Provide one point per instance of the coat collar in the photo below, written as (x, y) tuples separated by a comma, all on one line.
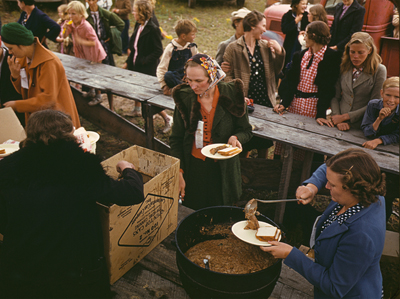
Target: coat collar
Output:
[(189, 108), (361, 79), (353, 7), (41, 54), (336, 229)]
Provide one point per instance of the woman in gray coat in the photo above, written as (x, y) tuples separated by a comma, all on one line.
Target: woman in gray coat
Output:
[(361, 79)]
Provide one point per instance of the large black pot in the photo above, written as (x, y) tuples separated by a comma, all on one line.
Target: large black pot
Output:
[(202, 283)]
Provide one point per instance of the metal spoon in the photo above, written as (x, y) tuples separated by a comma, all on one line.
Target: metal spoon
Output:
[(252, 204)]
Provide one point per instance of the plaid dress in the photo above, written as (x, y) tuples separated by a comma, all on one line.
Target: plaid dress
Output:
[(305, 106)]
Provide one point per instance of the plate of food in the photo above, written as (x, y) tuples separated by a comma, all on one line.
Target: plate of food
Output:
[(259, 237), (7, 149), (220, 151)]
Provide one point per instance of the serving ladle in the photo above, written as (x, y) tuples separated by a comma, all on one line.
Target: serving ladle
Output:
[(251, 206)]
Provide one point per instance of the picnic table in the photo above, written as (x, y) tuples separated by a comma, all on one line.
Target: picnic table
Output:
[(157, 276), (294, 131)]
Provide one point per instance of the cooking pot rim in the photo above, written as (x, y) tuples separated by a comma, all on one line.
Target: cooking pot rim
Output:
[(205, 270)]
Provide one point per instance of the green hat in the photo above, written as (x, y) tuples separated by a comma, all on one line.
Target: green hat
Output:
[(16, 34)]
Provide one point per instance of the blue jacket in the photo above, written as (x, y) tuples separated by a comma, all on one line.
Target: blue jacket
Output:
[(388, 129), (346, 256), (41, 25)]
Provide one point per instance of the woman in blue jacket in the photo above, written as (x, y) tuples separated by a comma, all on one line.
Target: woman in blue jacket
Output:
[(350, 234)]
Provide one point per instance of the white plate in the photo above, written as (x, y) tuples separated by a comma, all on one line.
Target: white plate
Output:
[(10, 148), (249, 235), (206, 152), (93, 136)]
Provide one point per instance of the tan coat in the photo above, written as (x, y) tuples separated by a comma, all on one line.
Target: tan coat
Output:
[(353, 98), (48, 86), (236, 56)]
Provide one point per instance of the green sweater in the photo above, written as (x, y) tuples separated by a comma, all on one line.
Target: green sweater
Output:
[(230, 118)]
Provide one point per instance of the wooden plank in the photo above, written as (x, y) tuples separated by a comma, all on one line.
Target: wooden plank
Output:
[(292, 279), (114, 123), (163, 101), (88, 78), (308, 124), (276, 293), (391, 247), (111, 72), (318, 143), (143, 284)]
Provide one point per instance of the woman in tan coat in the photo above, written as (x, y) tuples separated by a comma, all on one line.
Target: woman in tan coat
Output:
[(257, 63)]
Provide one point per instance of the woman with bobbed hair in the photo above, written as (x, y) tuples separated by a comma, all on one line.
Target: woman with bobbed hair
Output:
[(48, 194), (349, 236), (361, 80), (310, 84), (317, 13), (257, 62)]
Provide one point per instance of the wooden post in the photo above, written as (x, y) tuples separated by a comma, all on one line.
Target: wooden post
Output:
[(307, 163), (149, 126), (284, 182), (110, 99)]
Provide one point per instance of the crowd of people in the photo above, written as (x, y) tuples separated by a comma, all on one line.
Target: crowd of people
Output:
[(317, 67)]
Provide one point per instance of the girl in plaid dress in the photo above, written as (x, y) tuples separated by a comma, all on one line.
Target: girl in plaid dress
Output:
[(310, 84)]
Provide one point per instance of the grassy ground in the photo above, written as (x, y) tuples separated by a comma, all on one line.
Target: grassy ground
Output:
[(213, 23)]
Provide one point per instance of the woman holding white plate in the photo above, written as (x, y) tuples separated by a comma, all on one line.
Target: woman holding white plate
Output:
[(208, 111), (349, 236)]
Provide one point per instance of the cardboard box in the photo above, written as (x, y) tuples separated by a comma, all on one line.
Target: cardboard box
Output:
[(10, 126), (132, 232)]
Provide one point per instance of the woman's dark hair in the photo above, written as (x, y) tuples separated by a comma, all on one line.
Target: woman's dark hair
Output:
[(47, 126), (28, 2), (294, 4), (360, 174), (319, 32), (252, 19)]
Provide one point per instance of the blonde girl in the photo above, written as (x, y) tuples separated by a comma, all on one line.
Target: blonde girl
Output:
[(65, 44), (86, 42)]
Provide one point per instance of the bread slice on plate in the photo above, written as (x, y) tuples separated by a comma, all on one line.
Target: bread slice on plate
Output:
[(268, 233), (230, 151)]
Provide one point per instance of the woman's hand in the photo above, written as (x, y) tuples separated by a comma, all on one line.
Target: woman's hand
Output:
[(59, 39), (234, 142), (226, 67), (322, 121), (14, 66), (278, 250), (279, 108), (298, 18), (343, 126), (121, 165), (274, 46), (372, 144), (166, 90), (337, 119), (305, 194), (10, 104), (334, 48), (182, 185)]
